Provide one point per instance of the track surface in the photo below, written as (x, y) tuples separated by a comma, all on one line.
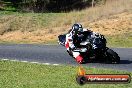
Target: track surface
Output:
[(56, 54)]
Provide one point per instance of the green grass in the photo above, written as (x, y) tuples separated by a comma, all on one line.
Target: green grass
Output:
[(44, 19), (124, 40), (34, 21), (26, 75), (28, 22), (54, 23)]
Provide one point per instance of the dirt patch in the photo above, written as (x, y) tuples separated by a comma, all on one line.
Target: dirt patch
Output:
[(39, 36), (114, 25)]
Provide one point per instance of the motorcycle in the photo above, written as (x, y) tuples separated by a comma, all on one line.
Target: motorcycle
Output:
[(93, 48)]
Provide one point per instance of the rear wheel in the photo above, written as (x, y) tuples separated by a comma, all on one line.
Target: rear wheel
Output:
[(112, 57)]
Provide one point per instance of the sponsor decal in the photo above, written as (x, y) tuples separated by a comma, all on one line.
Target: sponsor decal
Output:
[(83, 78)]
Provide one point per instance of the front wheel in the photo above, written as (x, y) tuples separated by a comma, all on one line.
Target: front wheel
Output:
[(112, 57)]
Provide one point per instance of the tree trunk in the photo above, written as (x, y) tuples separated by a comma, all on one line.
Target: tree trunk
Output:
[(92, 3)]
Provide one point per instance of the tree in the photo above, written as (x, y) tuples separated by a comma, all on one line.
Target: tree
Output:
[(34, 5), (51, 5)]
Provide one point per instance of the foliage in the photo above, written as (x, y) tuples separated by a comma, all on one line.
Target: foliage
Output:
[(50, 5), (27, 75)]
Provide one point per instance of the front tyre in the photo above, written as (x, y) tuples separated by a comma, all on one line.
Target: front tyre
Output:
[(112, 57)]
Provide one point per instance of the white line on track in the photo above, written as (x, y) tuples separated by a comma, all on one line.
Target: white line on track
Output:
[(56, 64), (14, 60), (24, 61), (34, 62), (5, 59), (29, 62), (46, 63)]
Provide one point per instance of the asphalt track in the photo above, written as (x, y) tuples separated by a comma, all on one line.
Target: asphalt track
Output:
[(56, 54)]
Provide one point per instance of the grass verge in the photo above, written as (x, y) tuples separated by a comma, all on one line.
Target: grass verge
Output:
[(112, 19), (26, 75), (124, 40)]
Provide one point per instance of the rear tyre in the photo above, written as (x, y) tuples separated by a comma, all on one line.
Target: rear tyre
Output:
[(112, 57)]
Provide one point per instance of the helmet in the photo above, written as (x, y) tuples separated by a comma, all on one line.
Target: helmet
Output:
[(77, 28)]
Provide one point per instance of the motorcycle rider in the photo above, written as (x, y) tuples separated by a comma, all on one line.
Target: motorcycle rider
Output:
[(73, 38), (94, 44)]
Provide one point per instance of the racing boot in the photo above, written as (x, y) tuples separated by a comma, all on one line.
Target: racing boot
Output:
[(79, 59)]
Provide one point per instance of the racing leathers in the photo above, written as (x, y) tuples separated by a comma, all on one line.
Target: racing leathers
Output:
[(72, 42)]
